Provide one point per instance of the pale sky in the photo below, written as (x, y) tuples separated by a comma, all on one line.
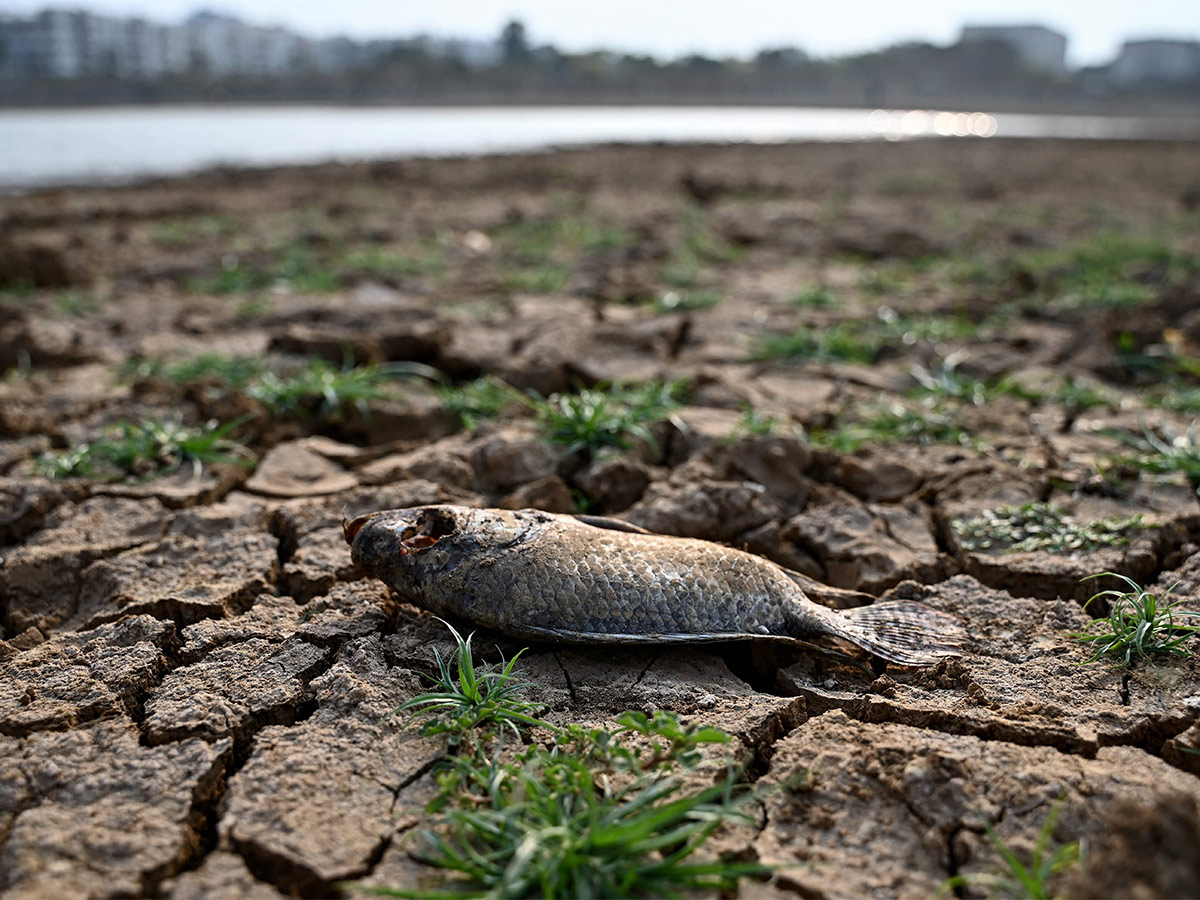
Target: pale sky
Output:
[(666, 28)]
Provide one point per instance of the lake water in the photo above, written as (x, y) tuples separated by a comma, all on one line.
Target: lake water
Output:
[(47, 147)]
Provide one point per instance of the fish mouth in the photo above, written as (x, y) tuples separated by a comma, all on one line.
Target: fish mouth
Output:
[(351, 527), (424, 528)]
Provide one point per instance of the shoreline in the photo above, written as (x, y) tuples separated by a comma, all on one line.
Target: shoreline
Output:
[(850, 127)]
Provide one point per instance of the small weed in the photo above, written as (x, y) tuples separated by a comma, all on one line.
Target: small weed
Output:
[(1154, 364), (467, 696), (1031, 527), (701, 243), (81, 461), (945, 382), (753, 423), (817, 298), (844, 342), (184, 232), (682, 272), (325, 390), (234, 277), (528, 241), (20, 289), (315, 387), (231, 371), (1078, 396), (147, 449), (875, 282), (557, 823), (1139, 624), (295, 270), (380, 264), (540, 255), (1108, 271), (1180, 398), (1165, 452), (478, 401), (1015, 878), (596, 237), (895, 423), (970, 272), (76, 304), (544, 279), (595, 813), (606, 416), (253, 308), (911, 329), (698, 248), (686, 301)]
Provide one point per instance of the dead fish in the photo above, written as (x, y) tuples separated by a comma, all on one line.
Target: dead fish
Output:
[(587, 579)]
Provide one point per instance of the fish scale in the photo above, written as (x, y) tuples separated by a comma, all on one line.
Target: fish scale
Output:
[(537, 575)]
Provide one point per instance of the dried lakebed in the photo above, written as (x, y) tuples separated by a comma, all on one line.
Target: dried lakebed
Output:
[(956, 374)]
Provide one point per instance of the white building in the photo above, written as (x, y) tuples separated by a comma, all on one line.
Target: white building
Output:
[(1156, 60), (1037, 47), (75, 44)]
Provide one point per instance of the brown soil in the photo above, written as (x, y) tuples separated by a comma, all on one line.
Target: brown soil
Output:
[(193, 675)]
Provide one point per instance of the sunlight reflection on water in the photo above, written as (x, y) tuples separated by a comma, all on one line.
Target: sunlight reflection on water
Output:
[(84, 145)]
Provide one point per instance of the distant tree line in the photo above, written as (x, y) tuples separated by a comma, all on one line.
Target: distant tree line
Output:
[(914, 74)]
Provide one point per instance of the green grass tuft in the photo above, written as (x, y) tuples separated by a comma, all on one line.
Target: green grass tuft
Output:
[(1181, 398), (322, 389), (593, 813), (844, 342), (1078, 395), (606, 416), (895, 423), (295, 269), (686, 301), (1032, 880), (184, 232), (1108, 271), (1031, 527), (753, 423), (76, 304), (467, 696), (1139, 624), (945, 381), (1165, 451), (817, 298), (312, 388), (386, 265), (543, 279), (147, 449), (227, 371), (480, 400), (912, 329)]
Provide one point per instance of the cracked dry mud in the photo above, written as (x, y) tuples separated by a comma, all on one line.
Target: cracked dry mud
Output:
[(195, 679)]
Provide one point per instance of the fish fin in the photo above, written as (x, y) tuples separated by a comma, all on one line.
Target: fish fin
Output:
[(837, 598), (611, 524), (903, 632)]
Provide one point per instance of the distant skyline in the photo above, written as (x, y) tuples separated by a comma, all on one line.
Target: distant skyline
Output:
[(670, 28)]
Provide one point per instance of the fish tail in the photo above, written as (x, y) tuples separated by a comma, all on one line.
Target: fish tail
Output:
[(902, 631)]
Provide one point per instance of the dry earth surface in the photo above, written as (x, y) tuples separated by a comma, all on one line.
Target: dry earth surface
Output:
[(872, 343)]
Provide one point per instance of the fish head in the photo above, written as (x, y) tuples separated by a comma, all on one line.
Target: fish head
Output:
[(411, 549)]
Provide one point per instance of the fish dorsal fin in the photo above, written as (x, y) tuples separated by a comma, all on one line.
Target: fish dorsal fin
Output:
[(611, 524), (837, 598)]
